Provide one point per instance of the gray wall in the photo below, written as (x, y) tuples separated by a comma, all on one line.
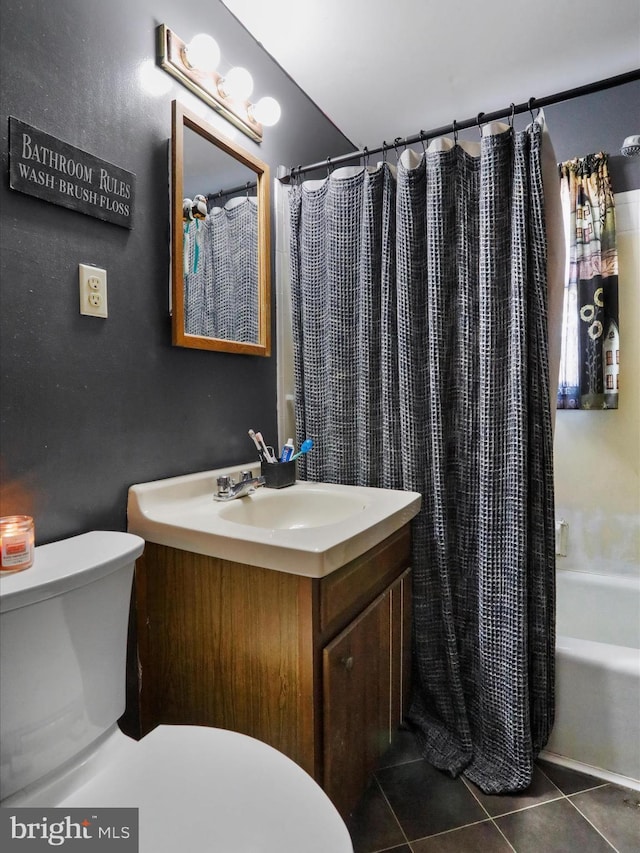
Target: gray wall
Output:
[(90, 406)]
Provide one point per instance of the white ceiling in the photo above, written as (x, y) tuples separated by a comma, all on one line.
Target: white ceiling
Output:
[(380, 69)]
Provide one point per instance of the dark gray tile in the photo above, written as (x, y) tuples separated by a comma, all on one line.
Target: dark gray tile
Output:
[(615, 812), (555, 827), (569, 781), (470, 839), (404, 747), (540, 790), (372, 824), (426, 801)]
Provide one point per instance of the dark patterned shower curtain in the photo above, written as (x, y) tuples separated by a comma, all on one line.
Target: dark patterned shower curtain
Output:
[(221, 273), (419, 315)]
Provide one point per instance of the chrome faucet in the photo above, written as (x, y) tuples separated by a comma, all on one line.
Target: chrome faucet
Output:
[(228, 490)]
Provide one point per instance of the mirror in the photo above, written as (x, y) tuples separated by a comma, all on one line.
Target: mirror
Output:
[(220, 243)]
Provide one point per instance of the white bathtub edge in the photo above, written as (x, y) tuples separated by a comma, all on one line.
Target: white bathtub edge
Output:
[(621, 659), (597, 772)]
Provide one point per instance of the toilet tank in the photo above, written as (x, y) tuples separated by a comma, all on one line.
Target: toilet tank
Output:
[(63, 646)]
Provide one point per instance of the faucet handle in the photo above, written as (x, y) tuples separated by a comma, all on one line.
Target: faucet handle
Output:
[(224, 483), (246, 475)]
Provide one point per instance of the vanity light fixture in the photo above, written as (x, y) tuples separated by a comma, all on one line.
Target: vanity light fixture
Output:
[(195, 65)]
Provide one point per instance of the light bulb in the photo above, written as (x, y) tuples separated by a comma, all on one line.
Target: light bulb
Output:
[(237, 84), (202, 53), (267, 111)]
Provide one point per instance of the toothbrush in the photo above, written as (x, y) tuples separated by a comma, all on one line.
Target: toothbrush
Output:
[(268, 455), (254, 438), (306, 446)]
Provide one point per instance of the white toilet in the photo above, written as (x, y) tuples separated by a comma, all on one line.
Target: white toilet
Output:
[(63, 626)]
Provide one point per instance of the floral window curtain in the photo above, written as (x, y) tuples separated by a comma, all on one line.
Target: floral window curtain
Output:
[(590, 357)]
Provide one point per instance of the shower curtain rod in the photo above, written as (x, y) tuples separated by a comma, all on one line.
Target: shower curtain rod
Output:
[(286, 174), (240, 188)]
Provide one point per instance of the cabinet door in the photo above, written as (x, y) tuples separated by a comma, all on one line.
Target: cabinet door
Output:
[(357, 702)]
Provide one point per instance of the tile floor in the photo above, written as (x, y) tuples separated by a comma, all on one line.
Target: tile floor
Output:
[(410, 807)]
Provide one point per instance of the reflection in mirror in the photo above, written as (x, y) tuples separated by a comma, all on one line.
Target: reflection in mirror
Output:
[(220, 241)]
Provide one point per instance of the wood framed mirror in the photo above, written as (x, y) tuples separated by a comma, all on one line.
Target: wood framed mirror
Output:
[(220, 241)]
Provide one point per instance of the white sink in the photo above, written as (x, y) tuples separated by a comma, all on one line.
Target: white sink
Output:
[(293, 508), (307, 529)]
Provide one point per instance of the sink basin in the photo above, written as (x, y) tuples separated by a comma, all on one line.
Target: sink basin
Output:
[(291, 508), (307, 529)]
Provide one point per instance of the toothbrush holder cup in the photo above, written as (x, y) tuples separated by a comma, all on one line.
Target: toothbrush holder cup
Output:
[(279, 474)]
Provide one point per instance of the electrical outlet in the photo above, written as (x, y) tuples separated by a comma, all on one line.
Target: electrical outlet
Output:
[(93, 291)]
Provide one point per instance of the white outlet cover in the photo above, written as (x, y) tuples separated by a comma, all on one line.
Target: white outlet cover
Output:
[(93, 290)]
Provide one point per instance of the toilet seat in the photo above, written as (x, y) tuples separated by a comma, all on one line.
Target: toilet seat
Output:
[(203, 789)]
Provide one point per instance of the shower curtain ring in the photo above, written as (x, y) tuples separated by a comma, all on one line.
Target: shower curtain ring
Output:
[(530, 105), (455, 132), (365, 157), (329, 166), (384, 152), (423, 139), (478, 120), (397, 142), (512, 116)]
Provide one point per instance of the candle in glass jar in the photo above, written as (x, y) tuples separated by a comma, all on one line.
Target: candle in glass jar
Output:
[(16, 542)]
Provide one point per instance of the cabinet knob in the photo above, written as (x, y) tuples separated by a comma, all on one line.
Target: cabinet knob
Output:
[(347, 663)]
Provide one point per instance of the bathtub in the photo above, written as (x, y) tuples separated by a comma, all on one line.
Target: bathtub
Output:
[(597, 723)]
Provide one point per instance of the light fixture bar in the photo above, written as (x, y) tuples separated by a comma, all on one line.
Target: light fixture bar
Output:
[(204, 84)]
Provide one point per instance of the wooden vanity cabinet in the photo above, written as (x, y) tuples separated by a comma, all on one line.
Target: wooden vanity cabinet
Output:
[(316, 667)]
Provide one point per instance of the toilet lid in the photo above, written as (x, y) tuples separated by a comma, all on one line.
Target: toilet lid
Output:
[(202, 789)]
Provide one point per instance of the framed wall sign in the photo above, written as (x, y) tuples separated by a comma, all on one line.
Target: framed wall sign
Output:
[(45, 167)]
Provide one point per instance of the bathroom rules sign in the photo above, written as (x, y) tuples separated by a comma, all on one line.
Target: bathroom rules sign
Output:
[(48, 168)]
